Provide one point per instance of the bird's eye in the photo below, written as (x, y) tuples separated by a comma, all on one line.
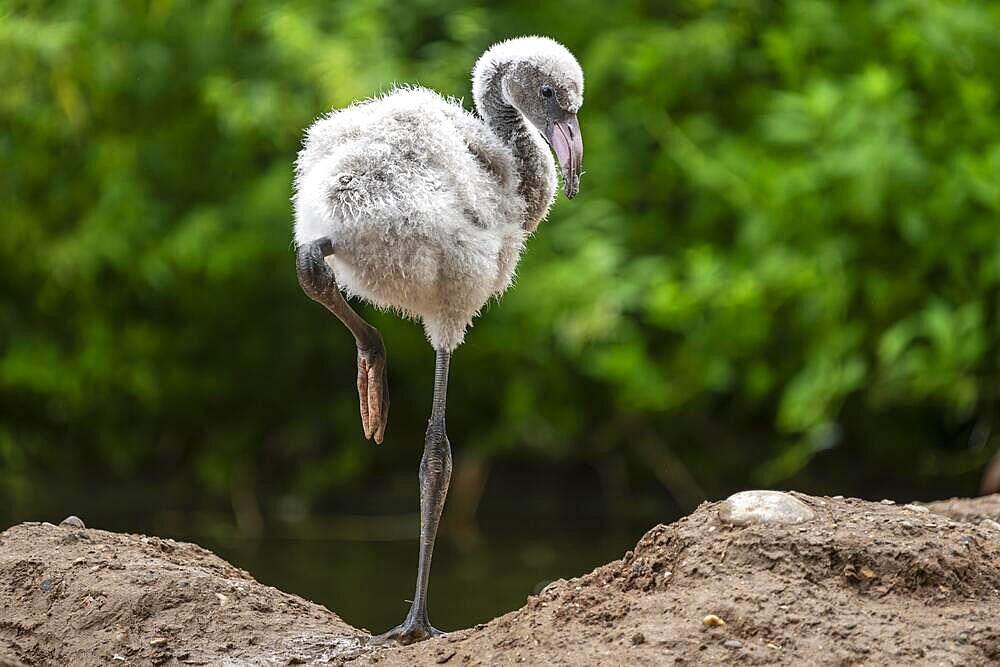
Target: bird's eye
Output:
[(547, 91)]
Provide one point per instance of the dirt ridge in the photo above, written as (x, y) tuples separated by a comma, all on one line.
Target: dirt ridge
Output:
[(862, 583), (71, 596)]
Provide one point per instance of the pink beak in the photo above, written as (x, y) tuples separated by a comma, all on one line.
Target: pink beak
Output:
[(567, 142)]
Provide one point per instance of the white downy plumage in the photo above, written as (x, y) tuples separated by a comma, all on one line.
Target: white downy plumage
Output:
[(428, 206)]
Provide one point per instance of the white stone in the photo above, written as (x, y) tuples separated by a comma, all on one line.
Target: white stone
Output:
[(748, 507)]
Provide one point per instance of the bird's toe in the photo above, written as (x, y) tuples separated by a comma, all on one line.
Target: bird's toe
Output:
[(373, 393), (409, 632)]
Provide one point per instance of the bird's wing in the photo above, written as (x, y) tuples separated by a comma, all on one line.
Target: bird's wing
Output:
[(495, 158)]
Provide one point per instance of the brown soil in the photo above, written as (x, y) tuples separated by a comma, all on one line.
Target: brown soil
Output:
[(863, 583), (969, 510), (90, 597)]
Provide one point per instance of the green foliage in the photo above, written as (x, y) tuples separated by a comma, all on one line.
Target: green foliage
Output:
[(789, 226)]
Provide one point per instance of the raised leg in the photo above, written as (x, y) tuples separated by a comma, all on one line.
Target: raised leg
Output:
[(435, 474), (318, 281)]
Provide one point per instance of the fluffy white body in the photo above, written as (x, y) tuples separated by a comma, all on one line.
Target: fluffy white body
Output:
[(424, 204), (420, 201)]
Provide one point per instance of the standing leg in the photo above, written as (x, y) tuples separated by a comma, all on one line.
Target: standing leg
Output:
[(435, 474), (318, 281)]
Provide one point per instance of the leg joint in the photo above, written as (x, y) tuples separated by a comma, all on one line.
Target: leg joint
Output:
[(437, 453), (435, 464), (315, 276), (435, 434)]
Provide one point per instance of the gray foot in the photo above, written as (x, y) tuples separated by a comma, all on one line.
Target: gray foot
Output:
[(409, 631)]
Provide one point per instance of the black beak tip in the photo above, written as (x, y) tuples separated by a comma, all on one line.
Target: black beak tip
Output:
[(572, 188)]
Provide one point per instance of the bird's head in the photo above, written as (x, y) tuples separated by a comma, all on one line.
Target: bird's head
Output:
[(542, 80)]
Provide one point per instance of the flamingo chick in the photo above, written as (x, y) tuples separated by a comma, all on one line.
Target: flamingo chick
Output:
[(414, 204)]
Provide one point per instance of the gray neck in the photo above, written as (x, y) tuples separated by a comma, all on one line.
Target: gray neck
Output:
[(513, 129)]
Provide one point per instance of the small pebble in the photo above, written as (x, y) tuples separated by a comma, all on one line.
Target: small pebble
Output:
[(732, 643), (989, 523), (886, 501), (916, 508), (712, 621), (749, 507), (638, 638), (158, 641), (72, 521)]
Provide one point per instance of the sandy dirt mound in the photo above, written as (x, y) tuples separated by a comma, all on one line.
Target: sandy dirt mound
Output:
[(860, 583), (89, 597), (969, 510)]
